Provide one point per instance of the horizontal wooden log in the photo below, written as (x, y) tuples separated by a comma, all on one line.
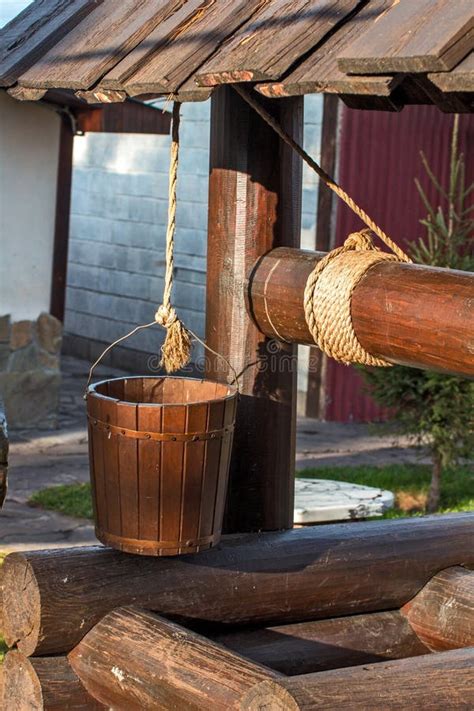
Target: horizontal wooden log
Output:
[(408, 314), (136, 660), (52, 598), (43, 684), (442, 614), (327, 644), (434, 681)]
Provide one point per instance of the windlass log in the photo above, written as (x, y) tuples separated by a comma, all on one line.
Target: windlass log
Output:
[(434, 681), (136, 660), (52, 598), (407, 314), (44, 684)]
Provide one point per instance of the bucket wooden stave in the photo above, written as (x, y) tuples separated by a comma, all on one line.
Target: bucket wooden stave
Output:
[(159, 452)]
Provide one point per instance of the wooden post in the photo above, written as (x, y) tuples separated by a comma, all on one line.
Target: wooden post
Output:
[(135, 660), (432, 681), (43, 684), (52, 598), (61, 225), (315, 393), (254, 205)]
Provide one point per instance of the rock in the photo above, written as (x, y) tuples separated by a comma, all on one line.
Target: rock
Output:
[(31, 398), (48, 360), (21, 334), (318, 500), (5, 328), (4, 355), (49, 333), (24, 359)]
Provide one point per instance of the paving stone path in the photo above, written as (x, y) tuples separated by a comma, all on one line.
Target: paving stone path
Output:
[(47, 458)]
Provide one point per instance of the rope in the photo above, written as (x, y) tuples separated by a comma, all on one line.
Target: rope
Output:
[(329, 288), (176, 350), (193, 335), (268, 118), (328, 291), (327, 298)]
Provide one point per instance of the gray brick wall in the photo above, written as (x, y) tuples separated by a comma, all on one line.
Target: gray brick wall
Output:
[(118, 224)]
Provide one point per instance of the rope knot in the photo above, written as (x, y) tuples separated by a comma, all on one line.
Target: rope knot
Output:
[(166, 316), (361, 241)]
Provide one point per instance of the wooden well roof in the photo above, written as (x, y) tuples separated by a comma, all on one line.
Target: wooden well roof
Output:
[(374, 53)]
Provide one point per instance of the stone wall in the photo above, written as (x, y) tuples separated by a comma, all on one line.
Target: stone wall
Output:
[(29, 370)]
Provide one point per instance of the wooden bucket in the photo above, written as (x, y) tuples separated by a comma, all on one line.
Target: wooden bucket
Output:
[(159, 452)]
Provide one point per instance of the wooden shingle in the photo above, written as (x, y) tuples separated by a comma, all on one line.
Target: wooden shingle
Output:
[(461, 78), (421, 36), (36, 30), (319, 72), (178, 46), (105, 50), (97, 43), (276, 37)]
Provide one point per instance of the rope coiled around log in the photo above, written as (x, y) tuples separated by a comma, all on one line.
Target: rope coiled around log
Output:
[(327, 298)]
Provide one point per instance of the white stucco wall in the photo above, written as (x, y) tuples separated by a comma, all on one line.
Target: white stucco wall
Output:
[(29, 146)]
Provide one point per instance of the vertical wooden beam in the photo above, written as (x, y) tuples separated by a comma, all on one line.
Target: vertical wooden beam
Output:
[(61, 226), (254, 205), (315, 394)]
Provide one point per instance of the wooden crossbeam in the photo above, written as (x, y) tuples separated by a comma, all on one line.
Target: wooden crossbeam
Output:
[(129, 117)]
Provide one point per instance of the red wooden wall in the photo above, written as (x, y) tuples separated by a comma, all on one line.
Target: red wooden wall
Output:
[(379, 159)]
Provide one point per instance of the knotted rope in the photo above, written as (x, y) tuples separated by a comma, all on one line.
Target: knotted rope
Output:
[(176, 350), (328, 291)]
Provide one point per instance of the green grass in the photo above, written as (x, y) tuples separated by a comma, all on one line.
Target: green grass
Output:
[(409, 482), (70, 499)]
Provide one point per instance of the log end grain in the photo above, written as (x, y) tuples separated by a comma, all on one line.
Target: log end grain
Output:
[(442, 613), (268, 696), (49, 683), (21, 686), (22, 604)]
